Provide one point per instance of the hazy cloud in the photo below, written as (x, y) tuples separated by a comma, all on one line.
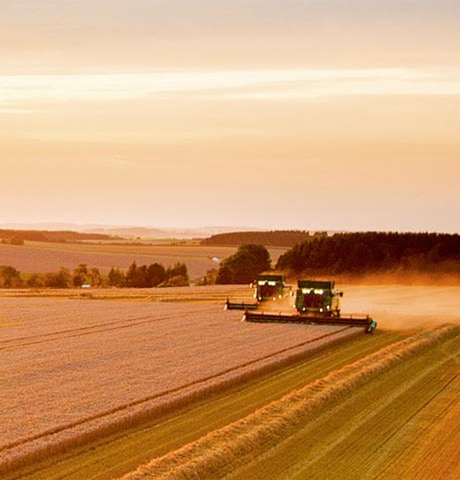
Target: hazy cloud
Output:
[(255, 84)]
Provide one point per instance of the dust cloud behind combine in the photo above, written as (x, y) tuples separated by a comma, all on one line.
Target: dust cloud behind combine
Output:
[(404, 307)]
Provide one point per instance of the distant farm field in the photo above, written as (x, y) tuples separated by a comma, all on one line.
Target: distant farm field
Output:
[(41, 257)]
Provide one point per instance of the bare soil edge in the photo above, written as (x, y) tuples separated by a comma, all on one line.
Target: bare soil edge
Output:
[(245, 439), (92, 429)]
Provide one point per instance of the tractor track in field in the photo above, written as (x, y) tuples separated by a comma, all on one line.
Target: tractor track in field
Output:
[(348, 444), (386, 449), (123, 451), (89, 330)]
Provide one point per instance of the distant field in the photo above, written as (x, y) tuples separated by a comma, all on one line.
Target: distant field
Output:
[(41, 257)]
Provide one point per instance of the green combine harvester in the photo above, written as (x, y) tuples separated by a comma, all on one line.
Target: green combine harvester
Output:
[(317, 297), (266, 287), (316, 302)]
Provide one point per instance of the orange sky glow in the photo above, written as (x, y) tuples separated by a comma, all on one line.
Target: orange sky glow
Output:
[(312, 115)]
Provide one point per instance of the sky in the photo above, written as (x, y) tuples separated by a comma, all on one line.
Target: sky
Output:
[(276, 114)]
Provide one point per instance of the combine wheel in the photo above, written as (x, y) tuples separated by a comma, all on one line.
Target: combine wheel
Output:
[(372, 325)]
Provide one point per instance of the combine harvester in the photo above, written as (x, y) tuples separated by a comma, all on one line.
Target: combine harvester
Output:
[(317, 302), (266, 287)]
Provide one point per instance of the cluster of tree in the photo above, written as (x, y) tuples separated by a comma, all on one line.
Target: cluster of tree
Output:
[(142, 277), (147, 276), (10, 277), (275, 238), (244, 265), (60, 236), (368, 252), (14, 240)]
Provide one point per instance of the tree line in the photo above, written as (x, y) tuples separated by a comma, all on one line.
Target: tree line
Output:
[(147, 276), (144, 276), (17, 237), (274, 238), (349, 253), (371, 252)]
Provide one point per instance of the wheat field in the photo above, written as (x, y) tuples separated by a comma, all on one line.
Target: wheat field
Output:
[(73, 367), (78, 367)]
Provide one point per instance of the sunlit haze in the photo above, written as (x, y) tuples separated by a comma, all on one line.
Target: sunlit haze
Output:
[(312, 115)]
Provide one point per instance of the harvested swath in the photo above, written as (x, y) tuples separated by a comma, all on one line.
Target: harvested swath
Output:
[(72, 369), (243, 440)]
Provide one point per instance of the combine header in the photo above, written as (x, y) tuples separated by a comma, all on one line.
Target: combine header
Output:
[(266, 287), (240, 305), (316, 302)]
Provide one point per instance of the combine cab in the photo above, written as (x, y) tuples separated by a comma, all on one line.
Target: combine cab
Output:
[(315, 297), (317, 302), (270, 287), (266, 287)]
